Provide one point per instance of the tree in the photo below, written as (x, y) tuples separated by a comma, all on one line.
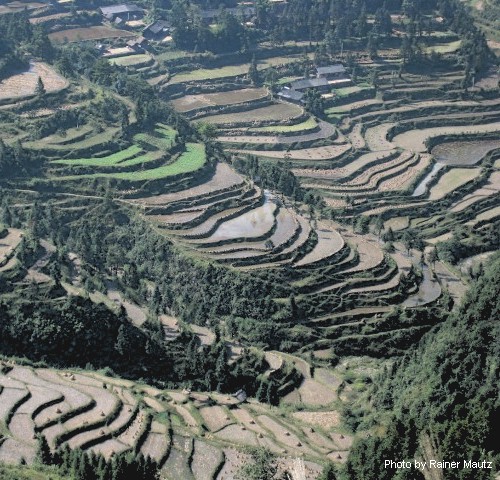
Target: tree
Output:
[(253, 72), (433, 256), (44, 453), (328, 473), (263, 466), (40, 88)]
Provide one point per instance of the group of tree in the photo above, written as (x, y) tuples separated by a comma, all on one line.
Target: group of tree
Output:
[(77, 464), (442, 396)]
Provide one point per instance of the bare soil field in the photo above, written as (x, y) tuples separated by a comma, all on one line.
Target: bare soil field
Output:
[(329, 242), (314, 393), (193, 102), (463, 153), (414, 140), (88, 33), (224, 177), (24, 83), (317, 153), (451, 180), (215, 417), (277, 112), (326, 420), (205, 461)]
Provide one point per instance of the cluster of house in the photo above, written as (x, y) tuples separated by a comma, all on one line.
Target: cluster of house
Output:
[(326, 78), (130, 14)]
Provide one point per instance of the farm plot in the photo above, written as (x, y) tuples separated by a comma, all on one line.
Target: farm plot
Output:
[(251, 224), (131, 60), (348, 169), (191, 160), (463, 153), (329, 243), (414, 140), (278, 112), (491, 188), (194, 102), (88, 33), (24, 83), (107, 161), (451, 180), (205, 461), (215, 418), (376, 137), (316, 153), (325, 420), (224, 178), (230, 70), (9, 243), (309, 124)]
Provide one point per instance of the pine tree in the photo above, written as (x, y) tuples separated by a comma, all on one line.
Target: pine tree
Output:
[(40, 88), (253, 72), (44, 453)]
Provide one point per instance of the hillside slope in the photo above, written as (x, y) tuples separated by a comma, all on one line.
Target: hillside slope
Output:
[(444, 395)]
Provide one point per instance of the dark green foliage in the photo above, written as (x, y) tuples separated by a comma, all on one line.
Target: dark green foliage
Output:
[(15, 160), (444, 392), (263, 466), (79, 465), (272, 175)]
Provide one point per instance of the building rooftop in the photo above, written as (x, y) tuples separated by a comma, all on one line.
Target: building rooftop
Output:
[(123, 8), (309, 83), (158, 27), (331, 69), (291, 94)]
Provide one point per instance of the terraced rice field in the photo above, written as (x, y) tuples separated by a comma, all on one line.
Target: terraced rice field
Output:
[(414, 140), (195, 102), (131, 60), (88, 33), (106, 415), (451, 180), (277, 112), (230, 71), (24, 83), (190, 161), (464, 153)]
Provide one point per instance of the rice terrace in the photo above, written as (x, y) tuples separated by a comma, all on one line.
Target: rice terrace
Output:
[(252, 240)]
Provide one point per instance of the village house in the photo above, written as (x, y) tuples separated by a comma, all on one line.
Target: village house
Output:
[(291, 95), (138, 44), (335, 75), (122, 13), (320, 84), (157, 30)]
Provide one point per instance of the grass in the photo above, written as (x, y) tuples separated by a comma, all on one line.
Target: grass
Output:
[(191, 160), (309, 124), (163, 139), (131, 60), (230, 70), (449, 47), (88, 33), (39, 472), (342, 92), (108, 161), (451, 180), (91, 141)]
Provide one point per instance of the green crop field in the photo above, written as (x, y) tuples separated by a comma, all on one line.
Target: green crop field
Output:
[(231, 70), (191, 160), (108, 161), (131, 60), (309, 124)]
